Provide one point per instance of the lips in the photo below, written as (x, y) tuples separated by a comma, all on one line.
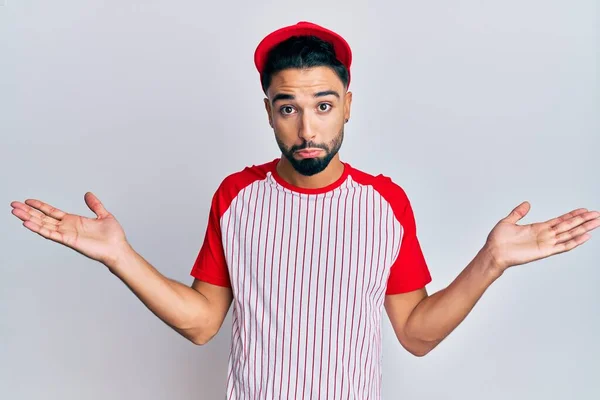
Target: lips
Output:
[(308, 153)]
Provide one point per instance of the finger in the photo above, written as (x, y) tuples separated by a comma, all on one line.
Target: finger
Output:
[(571, 244), (30, 212), (518, 212), (555, 221), (46, 208), (95, 205), (579, 230), (25, 216), (44, 232), (574, 222)]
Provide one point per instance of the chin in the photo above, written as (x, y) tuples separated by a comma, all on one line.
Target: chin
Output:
[(310, 166)]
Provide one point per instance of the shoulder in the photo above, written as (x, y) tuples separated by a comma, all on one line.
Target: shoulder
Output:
[(240, 179), (392, 192), (234, 183)]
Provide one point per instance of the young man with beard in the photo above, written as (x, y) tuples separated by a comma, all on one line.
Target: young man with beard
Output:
[(309, 249)]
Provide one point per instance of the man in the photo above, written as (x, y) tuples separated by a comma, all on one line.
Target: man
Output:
[(309, 249)]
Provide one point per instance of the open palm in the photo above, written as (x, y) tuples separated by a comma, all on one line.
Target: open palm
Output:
[(98, 238), (514, 244)]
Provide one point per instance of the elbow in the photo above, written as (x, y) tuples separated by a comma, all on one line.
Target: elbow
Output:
[(204, 336), (201, 339), (199, 335), (198, 331), (198, 340), (420, 348), (420, 352)]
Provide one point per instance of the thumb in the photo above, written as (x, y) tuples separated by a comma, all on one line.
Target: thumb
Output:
[(517, 213), (95, 205)]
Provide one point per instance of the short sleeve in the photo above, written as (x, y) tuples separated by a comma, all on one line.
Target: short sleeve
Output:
[(409, 271), (210, 265)]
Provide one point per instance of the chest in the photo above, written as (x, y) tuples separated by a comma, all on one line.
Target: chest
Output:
[(343, 241)]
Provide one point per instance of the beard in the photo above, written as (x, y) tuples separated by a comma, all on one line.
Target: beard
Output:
[(314, 165)]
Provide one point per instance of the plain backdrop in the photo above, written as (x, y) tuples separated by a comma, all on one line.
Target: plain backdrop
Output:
[(471, 106)]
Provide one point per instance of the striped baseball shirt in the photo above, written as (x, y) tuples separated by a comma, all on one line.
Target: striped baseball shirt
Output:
[(309, 269)]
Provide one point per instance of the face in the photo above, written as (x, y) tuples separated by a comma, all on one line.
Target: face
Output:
[(307, 110)]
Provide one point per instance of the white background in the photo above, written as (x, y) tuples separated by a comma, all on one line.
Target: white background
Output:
[(470, 106)]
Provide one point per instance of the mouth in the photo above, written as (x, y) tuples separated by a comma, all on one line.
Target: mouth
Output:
[(309, 153)]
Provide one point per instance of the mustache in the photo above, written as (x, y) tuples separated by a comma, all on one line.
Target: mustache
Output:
[(309, 145)]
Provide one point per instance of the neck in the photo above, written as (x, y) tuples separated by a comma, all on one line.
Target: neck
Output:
[(329, 175)]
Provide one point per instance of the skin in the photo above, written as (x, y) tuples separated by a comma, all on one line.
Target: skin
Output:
[(307, 109), (420, 321)]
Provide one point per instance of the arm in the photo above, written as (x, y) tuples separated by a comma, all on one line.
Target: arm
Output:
[(196, 312), (422, 321)]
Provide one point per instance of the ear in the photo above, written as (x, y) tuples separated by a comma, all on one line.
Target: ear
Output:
[(268, 108), (347, 105)]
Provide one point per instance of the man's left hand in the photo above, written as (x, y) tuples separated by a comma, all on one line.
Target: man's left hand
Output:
[(510, 244)]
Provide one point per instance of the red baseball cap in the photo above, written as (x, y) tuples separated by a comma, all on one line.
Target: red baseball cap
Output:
[(340, 46)]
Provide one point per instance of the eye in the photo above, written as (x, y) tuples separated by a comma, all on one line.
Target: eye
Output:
[(324, 107), (286, 110)]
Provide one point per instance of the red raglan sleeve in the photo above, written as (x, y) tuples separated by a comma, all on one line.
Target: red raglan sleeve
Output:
[(210, 265), (409, 271)]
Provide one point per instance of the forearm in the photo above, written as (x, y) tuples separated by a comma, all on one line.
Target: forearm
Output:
[(437, 315), (181, 307)]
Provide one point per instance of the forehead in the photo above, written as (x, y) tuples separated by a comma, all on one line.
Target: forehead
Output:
[(305, 81)]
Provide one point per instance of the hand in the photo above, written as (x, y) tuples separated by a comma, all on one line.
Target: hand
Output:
[(100, 238), (511, 244)]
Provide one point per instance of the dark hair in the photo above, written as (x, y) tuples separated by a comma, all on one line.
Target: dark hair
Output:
[(302, 52)]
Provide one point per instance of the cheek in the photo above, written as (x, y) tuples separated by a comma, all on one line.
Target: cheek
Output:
[(286, 129), (285, 137), (331, 128), (283, 130), (333, 124)]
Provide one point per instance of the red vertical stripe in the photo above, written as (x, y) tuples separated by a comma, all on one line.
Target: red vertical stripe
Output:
[(324, 298), (264, 304), (337, 219), (360, 309), (376, 351), (317, 297), (365, 303), (234, 325), (310, 275), (346, 315), (235, 272), (289, 374), (244, 242), (269, 338), (340, 304), (278, 287), (287, 269), (248, 264), (372, 320), (308, 202), (258, 266)]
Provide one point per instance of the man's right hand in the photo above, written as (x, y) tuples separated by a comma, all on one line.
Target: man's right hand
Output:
[(101, 238), (195, 312)]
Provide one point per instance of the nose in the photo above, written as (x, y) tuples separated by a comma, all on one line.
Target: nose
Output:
[(306, 130)]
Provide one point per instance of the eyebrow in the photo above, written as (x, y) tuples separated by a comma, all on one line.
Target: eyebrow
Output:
[(284, 96)]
